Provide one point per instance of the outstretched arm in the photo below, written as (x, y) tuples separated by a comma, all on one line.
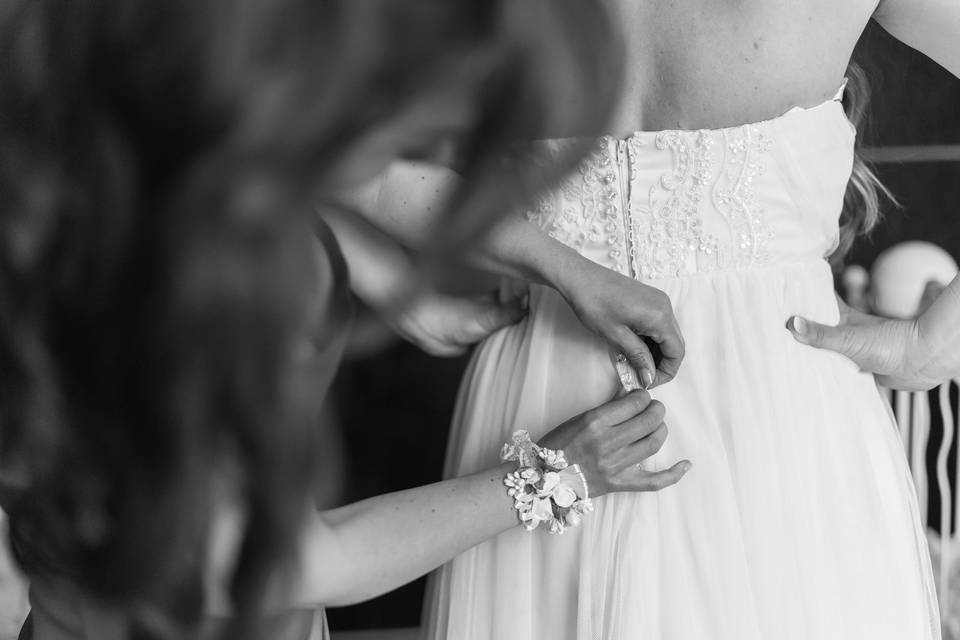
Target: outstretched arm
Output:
[(906, 354), (359, 551), (365, 549), (408, 201)]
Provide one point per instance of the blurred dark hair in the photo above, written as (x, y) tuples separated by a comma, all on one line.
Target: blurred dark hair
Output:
[(862, 202), (157, 162)]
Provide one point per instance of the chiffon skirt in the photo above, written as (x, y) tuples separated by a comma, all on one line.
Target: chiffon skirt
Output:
[(798, 520)]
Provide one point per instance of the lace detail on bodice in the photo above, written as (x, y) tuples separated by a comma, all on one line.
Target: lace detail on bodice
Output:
[(735, 197), (666, 227), (653, 226), (586, 207)]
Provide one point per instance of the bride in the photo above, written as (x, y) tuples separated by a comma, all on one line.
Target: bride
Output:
[(798, 519)]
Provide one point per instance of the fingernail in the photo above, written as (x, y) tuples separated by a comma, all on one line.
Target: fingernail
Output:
[(798, 324), (686, 465), (647, 376)]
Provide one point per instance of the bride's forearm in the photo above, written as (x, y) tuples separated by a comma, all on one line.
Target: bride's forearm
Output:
[(362, 550)]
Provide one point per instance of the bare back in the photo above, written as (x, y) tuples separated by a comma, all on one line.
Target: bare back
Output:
[(696, 64)]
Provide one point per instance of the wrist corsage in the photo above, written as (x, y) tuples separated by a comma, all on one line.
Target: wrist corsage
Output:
[(545, 488)]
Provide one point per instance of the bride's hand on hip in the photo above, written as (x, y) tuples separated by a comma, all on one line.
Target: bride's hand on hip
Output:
[(914, 355), (636, 319), (611, 441)]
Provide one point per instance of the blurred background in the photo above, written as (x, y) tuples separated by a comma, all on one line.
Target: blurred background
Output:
[(391, 391)]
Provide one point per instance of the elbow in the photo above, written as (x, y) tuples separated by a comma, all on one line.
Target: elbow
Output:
[(348, 598), (337, 591)]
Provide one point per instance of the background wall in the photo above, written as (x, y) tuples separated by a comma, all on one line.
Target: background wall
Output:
[(916, 103), (404, 399)]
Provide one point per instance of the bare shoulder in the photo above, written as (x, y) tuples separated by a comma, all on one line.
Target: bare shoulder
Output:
[(929, 26)]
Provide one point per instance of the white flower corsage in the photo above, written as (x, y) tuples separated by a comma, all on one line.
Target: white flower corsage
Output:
[(545, 488)]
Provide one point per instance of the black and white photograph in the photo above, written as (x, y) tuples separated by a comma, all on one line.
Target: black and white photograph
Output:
[(479, 319)]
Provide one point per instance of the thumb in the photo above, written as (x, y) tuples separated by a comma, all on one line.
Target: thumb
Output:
[(877, 345), (638, 354), (841, 339)]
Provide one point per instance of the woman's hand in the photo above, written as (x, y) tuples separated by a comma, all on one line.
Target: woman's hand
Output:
[(446, 326), (636, 319), (385, 277), (349, 554), (610, 441), (913, 355)]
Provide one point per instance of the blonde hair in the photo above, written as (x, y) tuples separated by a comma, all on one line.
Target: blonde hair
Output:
[(865, 192)]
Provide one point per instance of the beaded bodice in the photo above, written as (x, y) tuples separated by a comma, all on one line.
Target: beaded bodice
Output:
[(675, 203)]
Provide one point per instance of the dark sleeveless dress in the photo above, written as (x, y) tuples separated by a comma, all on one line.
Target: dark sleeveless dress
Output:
[(62, 613)]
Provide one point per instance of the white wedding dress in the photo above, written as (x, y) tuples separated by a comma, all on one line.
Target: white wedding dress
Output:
[(798, 520)]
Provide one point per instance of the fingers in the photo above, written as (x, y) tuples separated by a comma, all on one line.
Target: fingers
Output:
[(641, 426), (657, 480), (628, 458), (620, 435), (636, 478), (672, 350), (839, 338), (618, 411), (655, 354), (638, 354), (663, 333), (651, 444), (877, 345), (629, 380)]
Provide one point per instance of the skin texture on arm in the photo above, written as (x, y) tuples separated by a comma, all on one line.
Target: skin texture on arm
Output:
[(408, 202), (362, 550), (359, 551), (906, 354)]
